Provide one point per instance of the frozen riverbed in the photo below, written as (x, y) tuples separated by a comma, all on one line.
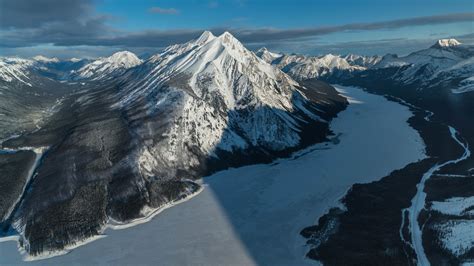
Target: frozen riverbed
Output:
[(253, 214)]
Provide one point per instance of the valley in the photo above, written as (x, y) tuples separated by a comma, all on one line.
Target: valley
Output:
[(228, 156), (228, 222)]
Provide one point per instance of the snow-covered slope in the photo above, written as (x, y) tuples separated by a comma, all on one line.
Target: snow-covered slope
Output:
[(44, 59), (107, 67), (15, 69), (267, 56), (225, 99), (305, 67), (362, 61), (438, 56), (390, 60), (461, 74), (30, 71), (447, 59), (446, 43), (466, 85), (456, 234), (446, 63)]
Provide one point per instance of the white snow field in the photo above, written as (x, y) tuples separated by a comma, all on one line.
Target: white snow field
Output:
[(253, 215), (454, 206), (457, 236)]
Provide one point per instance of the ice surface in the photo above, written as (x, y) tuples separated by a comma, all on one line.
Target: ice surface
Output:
[(253, 214)]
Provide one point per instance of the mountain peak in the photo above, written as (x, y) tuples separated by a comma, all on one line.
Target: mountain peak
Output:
[(262, 52), (205, 37), (226, 34), (125, 58), (227, 37), (45, 59), (106, 67), (217, 66), (446, 43), (75, 59), (266, 55)]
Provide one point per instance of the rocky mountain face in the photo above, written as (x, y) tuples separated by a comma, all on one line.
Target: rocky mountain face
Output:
[(124, 145)]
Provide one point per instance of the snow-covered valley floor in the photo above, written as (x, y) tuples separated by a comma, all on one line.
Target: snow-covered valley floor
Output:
[(253, 214)]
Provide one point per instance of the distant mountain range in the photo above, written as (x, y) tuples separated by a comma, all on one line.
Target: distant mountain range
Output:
[(447, 61)]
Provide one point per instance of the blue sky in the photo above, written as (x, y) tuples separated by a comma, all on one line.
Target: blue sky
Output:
[(99, 27), (276, 13)]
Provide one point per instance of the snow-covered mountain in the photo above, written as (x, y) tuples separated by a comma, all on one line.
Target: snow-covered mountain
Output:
[(461, 75), (390, 60), (362, 61), (267, 56), (23, 70), (15, 69), (308, 67), (107, 67), (225, 99), (442, 43), (446, 63), (191, 110), (304, 67), (44, 59)]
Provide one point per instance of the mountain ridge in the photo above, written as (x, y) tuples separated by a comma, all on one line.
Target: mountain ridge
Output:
[(133, 141)]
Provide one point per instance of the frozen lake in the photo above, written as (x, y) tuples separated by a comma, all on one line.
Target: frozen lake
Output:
[(253, 214)]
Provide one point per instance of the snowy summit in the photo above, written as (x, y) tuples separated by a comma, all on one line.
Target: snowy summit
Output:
[(124, 59), (266, 55), (44, 59), (106, 67), (446, 43)]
